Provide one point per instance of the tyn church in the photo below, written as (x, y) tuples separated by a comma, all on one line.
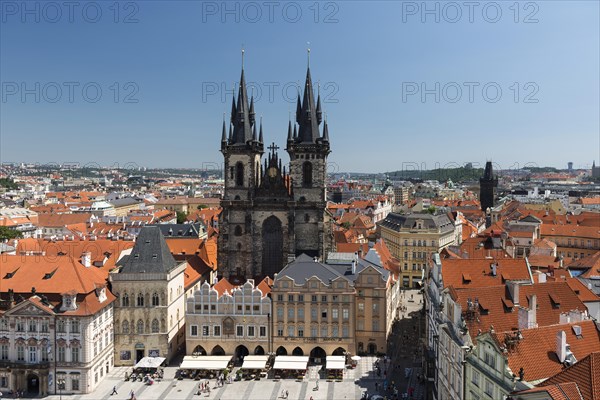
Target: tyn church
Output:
[(272, 214)]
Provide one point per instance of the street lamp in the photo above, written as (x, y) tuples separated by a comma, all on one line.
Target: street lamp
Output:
[(61, 386)]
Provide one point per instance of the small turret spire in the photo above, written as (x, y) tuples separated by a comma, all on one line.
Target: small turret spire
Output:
[(289, 136), (254, 138), (325, 131), (260, 135), (224, 133), (319, 111)]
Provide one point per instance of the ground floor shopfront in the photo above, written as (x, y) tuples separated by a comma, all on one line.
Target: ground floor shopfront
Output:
[(32, 380)]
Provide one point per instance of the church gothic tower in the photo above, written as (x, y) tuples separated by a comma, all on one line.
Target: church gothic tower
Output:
[(271, 216), (487, 187)]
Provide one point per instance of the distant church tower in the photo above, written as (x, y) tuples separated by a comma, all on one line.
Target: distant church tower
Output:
[(270, 216), (487, 187)]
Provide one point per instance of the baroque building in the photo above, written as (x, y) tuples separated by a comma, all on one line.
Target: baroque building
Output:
[(272, 214)]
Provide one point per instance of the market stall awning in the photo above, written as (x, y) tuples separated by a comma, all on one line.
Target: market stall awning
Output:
[(335, 362), (290, 362), (205, 362), (255, 362), (150, 362)]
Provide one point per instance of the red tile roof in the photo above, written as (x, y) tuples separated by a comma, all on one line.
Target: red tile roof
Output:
[(585, 372), (480, 271)]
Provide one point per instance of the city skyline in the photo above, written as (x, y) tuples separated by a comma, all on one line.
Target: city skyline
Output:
[(164, 91)]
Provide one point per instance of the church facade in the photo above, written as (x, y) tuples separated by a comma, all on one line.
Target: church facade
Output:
[(272, 213)]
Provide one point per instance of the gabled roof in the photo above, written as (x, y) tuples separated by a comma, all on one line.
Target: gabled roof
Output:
[(481, 272), (585, 372), (304, 267), (536, 352), (150, 254)]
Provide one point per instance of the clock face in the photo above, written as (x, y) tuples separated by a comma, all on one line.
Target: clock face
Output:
[(272, 172)]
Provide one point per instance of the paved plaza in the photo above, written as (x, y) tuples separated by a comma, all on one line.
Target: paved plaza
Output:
[(355, 382)]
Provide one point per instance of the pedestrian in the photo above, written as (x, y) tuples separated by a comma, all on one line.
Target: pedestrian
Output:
[(286, 394), (114, 391)]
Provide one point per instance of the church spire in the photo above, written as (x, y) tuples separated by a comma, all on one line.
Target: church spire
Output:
[(325, 132), (319, 111), (308, 121), (242, 114), (224, 133), (289, 136), (260, 135)]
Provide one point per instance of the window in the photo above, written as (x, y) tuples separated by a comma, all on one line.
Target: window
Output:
[(20, 326), (280, 312), (290, 297), (74, 382), (375, 308), (61, 354), (301, 313), (239, 174), (324, 313), (291, 313), (475, 377), (125, 300), (4, 352), (217, 330), (324, 330), (155, 326), (300, 331), (291, 330), (335, 331), (32, 354), (334, 313), (155, 299), (140, 327), (360, 325), (205, 330), (361, 307), (345, 314), (313, 331), (280, 330), (324, 298), (20, 353), (375, 326), (307, 172), (3, 324), (193, 330), (335, 298), (74, 326), (300, 297), (239, 331), (345, 331), (125, 327), (279, 298), (490, 360), (75, 354), (262, 331), (313, 298), (44, 354), (32, 326), (489, 388)]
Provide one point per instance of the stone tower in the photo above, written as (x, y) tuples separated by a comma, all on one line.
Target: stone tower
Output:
[(269, 216), (487, 187)]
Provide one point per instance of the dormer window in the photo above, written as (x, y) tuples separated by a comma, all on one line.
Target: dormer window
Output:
[(69, 302)]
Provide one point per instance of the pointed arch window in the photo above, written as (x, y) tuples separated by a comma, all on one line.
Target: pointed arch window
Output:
[(154, 325), (155, 299), (307, 172), (125, 300), (140, 326), (125, 327), (239, 174), (140, 300)]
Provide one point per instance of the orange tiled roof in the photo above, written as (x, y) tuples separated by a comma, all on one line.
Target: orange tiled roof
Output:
[(585, 372), (184, 246), (496, 307), (480, 271), (53, 220), (584, 294), (559, 391), (536, 352), (592, 232), (222, 286), (265, 286)]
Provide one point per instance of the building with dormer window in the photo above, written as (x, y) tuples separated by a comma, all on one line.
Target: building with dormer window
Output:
[(56, 326)]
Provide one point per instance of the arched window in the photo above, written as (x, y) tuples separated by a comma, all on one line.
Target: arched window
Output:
[(239, 174), (307, 172), (125, 300), (238, 230), (125, 327), (163, 326), (140, 327), (154, 325), (140, 300), (155, 301)]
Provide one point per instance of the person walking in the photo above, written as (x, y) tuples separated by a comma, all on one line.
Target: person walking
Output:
[(114, 391)]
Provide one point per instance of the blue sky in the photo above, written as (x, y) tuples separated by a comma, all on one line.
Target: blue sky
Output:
[(165, 71)]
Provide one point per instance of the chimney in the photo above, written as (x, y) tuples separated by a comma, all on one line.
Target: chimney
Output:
[(353, 267), (542, 278), (493, 267), (513, 288), (86, 259), (561, 346)]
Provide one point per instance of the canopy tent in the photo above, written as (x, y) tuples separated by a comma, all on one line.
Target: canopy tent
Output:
[(150, 362), (205, 362), (291, 362), (255, 362), (335, 362)]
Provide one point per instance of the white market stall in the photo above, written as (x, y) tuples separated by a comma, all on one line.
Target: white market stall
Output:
[(255, 362), (205, 362), (335, 362), (150, 362)]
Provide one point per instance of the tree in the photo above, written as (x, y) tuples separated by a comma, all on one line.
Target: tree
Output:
[(181, 217), (201, 206), (431, 209), (7, 233)]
